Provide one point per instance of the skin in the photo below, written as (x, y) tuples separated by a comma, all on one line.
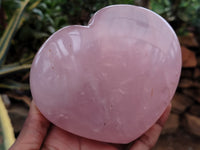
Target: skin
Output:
[(39, 134)]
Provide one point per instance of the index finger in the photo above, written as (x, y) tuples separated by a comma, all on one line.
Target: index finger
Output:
[(149, 139)]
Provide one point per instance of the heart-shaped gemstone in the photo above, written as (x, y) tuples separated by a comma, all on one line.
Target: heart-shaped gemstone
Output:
[(111, 80)]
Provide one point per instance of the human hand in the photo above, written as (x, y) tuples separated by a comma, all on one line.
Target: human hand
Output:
[(39, 134)]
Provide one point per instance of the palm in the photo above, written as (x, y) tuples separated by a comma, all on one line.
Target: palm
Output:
[(37, 134), (62, 140)]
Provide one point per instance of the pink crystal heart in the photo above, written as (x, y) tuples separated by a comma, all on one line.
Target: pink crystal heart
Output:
[(111, 80)]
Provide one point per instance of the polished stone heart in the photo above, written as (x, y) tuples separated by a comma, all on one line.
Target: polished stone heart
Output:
[(111, 80)]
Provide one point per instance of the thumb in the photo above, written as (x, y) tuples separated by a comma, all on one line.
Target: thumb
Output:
[(33, 132)]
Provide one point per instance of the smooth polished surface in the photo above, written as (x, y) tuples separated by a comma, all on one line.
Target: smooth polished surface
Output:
[(111, 80)]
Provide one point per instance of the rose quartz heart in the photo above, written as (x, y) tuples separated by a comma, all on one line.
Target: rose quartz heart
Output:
[(111, 80)]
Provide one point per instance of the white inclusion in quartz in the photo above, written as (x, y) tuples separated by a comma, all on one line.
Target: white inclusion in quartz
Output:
[(63, 116)]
